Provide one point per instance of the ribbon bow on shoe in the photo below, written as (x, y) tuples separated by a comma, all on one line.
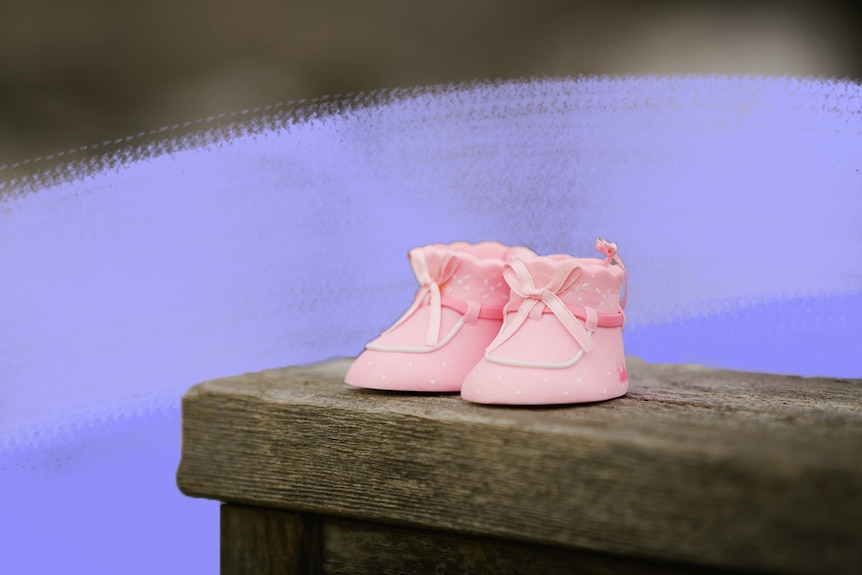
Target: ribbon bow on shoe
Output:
[(521, 283), (429, 288)]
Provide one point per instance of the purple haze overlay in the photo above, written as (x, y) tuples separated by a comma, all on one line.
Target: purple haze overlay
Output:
[(736, 204)]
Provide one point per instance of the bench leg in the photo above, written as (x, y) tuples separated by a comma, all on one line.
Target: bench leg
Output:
[(268, 541)]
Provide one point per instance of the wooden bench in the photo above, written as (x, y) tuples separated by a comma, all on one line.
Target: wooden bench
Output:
[(695, 470)]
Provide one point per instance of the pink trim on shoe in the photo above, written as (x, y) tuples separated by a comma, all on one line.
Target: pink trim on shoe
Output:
[(557, 344), (456, 312)]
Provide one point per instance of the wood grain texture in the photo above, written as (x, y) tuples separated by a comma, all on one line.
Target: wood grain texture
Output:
[(258, 541), (728, 469), (360, 548)]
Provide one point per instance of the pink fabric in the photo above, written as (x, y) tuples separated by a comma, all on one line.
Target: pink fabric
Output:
[(456, 312), (561, 340), (610, 251), (463, 307), (521, 283), (429, 282)]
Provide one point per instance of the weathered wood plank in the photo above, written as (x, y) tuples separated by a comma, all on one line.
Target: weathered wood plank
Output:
[(735, 470), (258, 541), (361, 548)]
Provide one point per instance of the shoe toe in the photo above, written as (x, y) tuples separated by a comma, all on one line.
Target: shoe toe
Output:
[(403, 372)]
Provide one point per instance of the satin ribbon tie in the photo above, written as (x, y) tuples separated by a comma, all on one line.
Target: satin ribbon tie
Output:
[(429, 285), (521, 283)]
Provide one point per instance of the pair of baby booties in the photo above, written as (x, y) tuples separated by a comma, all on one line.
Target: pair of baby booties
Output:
[(506, 326)]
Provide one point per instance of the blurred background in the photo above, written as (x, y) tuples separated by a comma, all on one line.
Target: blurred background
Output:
[(78, 72)]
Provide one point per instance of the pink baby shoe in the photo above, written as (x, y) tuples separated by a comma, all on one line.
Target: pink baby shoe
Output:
[(456, 313), (561, 339)]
